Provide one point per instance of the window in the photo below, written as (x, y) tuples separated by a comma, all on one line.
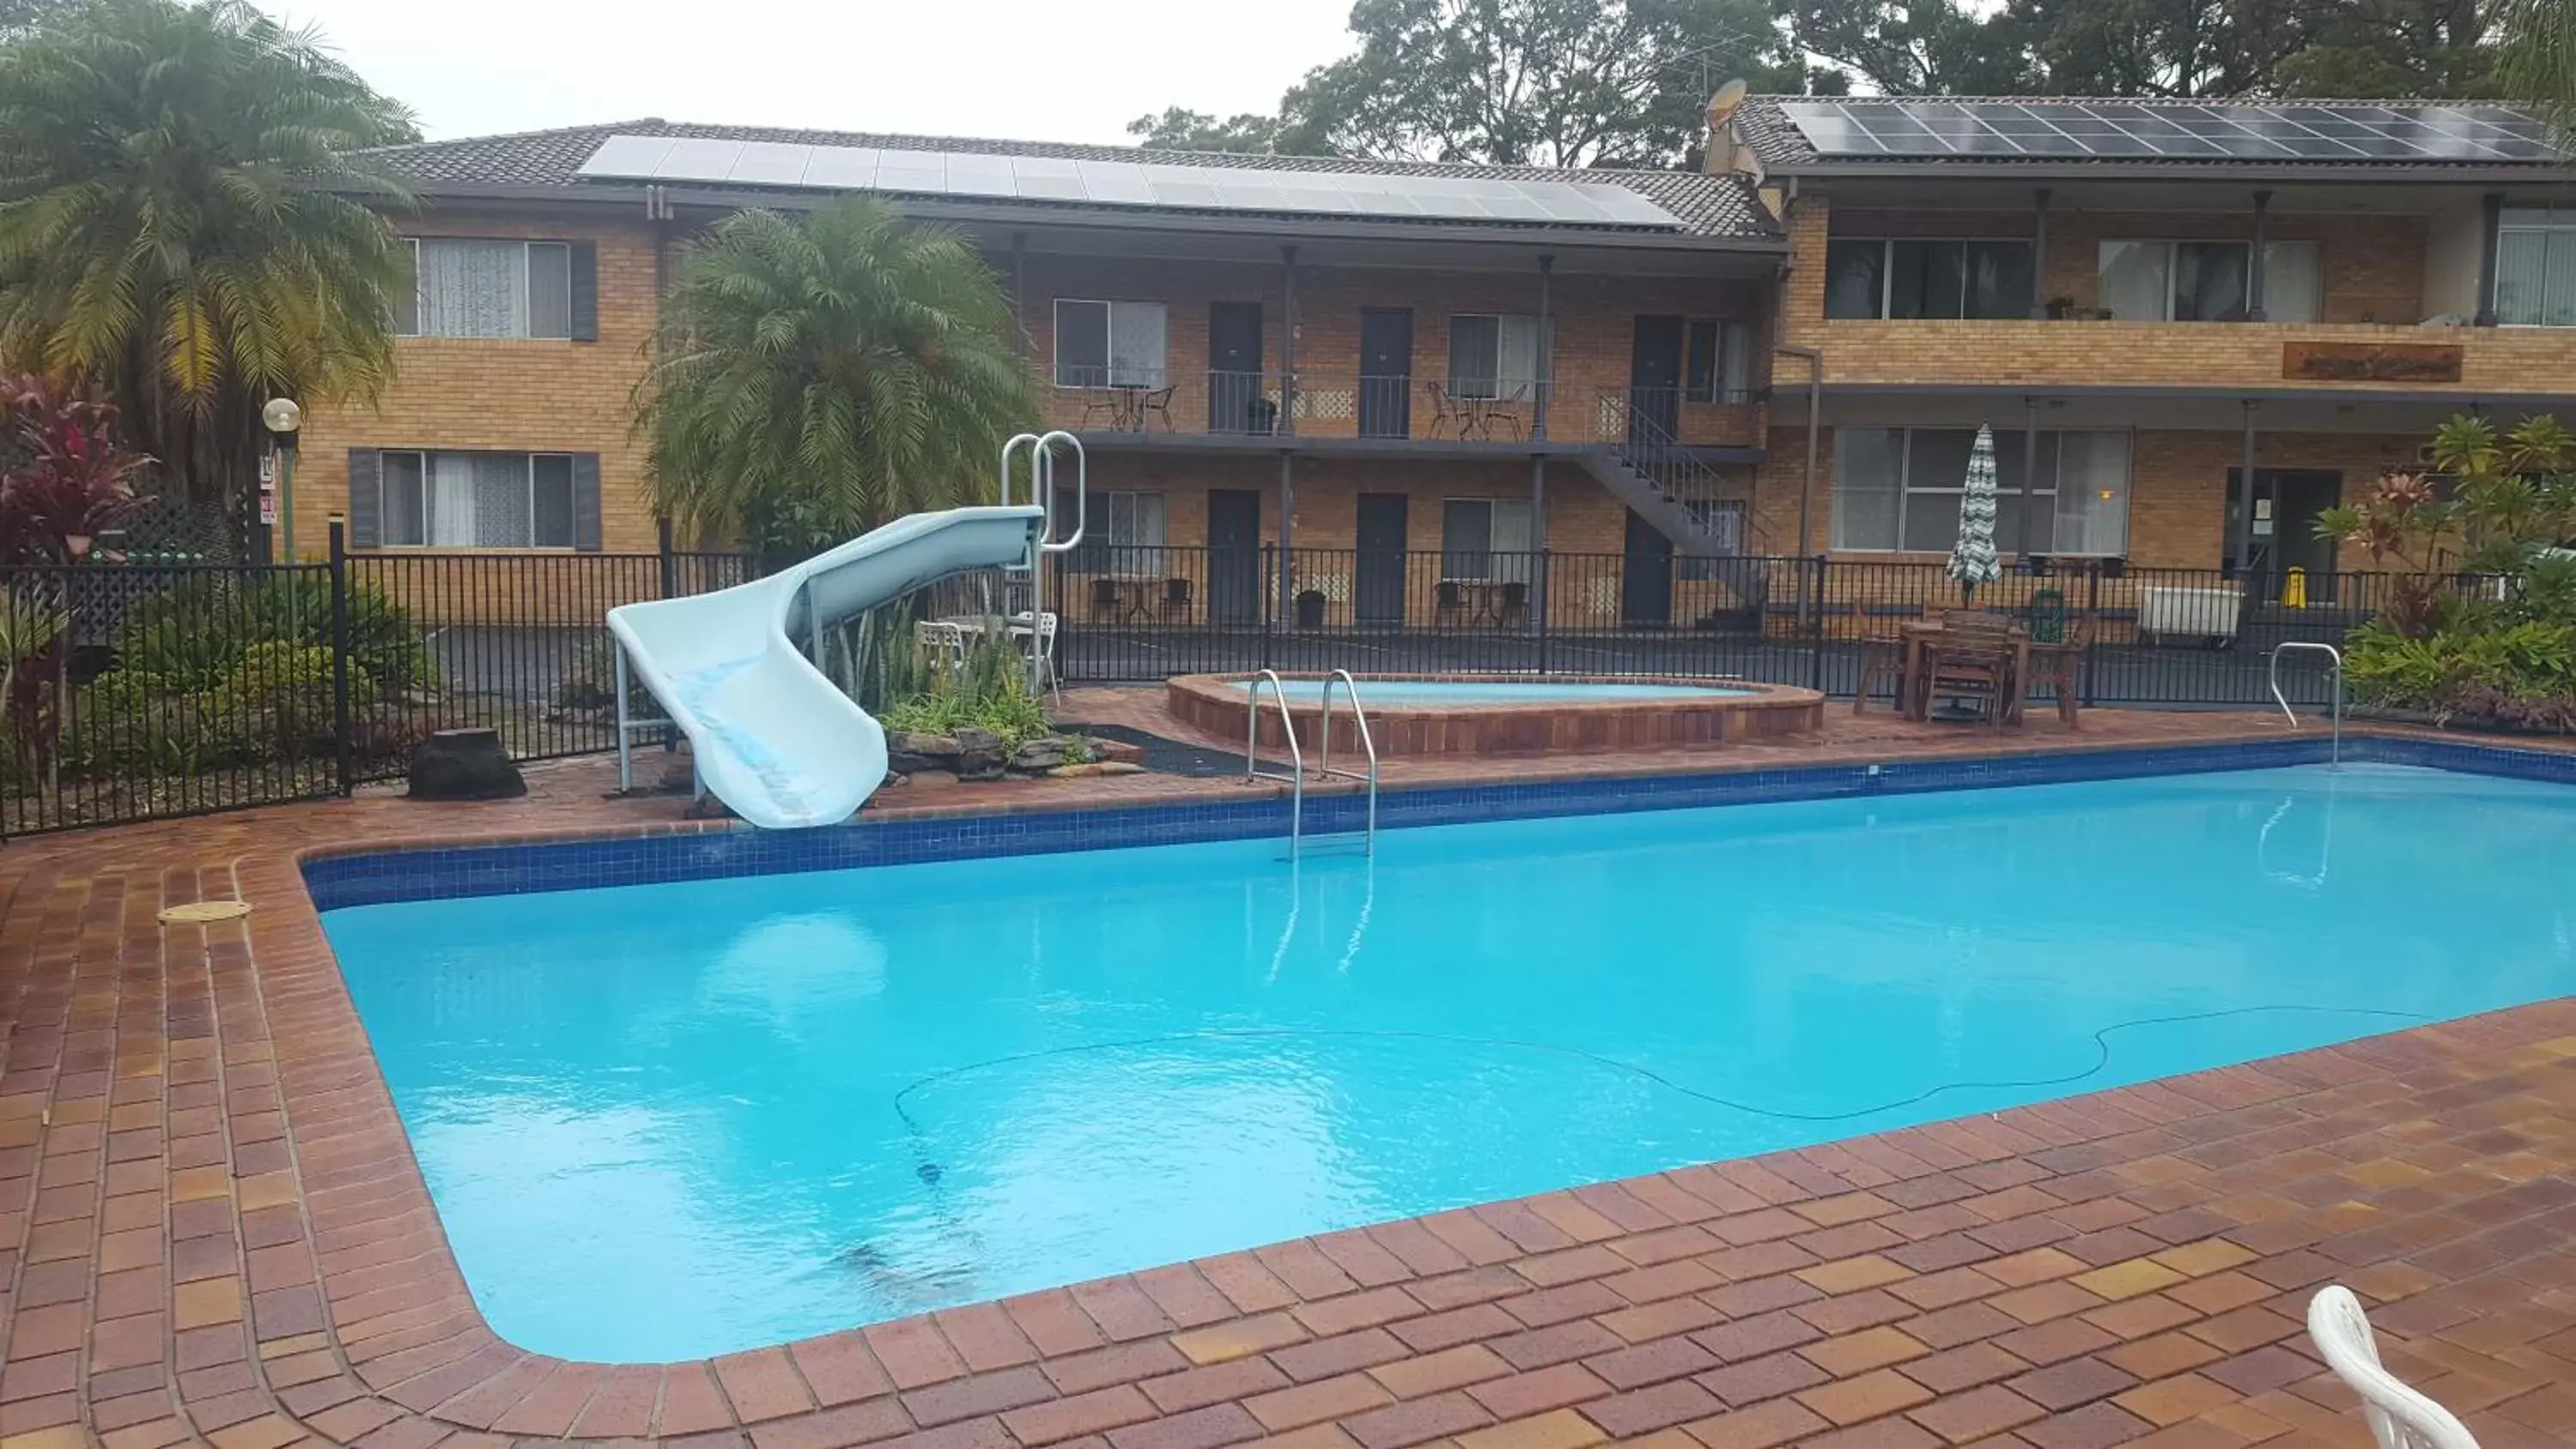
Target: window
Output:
[(1898, 489), (488, 289), (1493, 356), (1109, 344), (477, 500), (1486, 538), (1718, 367), (1123, 535), (1927, 277), (2191, 281), (2536, 267)]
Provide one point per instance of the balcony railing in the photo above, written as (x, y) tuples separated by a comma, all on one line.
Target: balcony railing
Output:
[(1314, 402)]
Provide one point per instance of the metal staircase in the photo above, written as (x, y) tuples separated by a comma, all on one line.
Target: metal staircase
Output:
[(1296, 774)]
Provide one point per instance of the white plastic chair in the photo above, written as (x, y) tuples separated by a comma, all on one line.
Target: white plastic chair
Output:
[(944, 640), (1045, 646), (2399, 1417)]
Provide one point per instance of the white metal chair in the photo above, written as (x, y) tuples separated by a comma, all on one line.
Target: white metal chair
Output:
[(2399, 1417), (943, 641), (1043, 641)]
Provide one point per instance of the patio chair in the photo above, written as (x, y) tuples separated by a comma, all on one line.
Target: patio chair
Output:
[(1104, 600), (1882, 661), (1042, 639), (1449, 602), (1972, 661), (1502, 409), (1176, 599), (1514, 607), (1109, 403), (942, 644), (2399, 1417), (1155, 403), (1445, 409), (2060, 666)]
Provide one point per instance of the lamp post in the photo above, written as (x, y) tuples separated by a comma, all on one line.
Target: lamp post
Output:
[(283, 418)]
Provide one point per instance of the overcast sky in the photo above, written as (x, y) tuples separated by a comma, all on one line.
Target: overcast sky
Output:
[(1058, 70)]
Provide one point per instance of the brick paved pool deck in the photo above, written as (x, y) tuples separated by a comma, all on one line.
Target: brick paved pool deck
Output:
[(215, 1231)]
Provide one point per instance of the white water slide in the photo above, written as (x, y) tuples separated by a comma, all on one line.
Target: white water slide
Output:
[(737, 670)]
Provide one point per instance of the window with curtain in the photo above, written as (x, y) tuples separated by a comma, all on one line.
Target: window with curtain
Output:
[(477, 500), (2535, 284), (1486, 538), (463, 288), (1110, 344), (1920, 277), (1718, 362), (1493, 355), (1898, 490), (1124, 533), (2194, 281)]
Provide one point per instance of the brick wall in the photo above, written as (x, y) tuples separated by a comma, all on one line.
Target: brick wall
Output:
[(2177, 487), (507, 393)]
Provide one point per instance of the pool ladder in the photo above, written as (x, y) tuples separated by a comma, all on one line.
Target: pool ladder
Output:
[(1296, 774), (2335, 755)]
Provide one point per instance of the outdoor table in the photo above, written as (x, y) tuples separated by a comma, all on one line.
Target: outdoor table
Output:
[(1133, 596), (1480, 599), (1919, 637)]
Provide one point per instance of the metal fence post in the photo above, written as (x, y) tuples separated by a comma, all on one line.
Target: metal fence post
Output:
[(2093, 616), (340, 722), (670, 562), (1269, 601), (1545, 592), (1821, 577)]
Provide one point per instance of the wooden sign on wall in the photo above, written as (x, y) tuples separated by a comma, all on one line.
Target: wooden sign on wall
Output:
[(2370, 361)]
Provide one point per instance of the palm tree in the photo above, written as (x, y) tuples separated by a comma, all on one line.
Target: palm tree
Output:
[(182, 223), (815, 378)]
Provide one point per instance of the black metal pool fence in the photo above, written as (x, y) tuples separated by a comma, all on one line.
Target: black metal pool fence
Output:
[(144, 690)]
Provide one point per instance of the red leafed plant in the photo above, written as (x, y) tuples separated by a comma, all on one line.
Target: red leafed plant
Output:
[(65, 478)]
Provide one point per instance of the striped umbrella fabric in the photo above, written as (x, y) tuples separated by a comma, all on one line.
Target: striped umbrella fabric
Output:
[(1972, 558)]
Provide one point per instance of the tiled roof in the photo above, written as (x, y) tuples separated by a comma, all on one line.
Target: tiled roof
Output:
[(1707, 206), (1777, 141)]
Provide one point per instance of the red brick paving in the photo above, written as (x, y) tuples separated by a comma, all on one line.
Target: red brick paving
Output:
[(215, 1233)]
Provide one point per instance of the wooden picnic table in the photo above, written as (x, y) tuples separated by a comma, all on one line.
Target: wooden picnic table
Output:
[(1921, 636)]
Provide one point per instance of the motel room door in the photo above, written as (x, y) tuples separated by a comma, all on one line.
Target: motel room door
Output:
[(1378, 596), (1655, 381), (1646, 578), (1237, 402), (1234, 555), (2286, 504), (1386, 372)]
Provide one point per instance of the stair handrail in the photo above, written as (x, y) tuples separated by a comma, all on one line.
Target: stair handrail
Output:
[(2335, 753), (1324, 752), (1666, 463), (1296, 776)]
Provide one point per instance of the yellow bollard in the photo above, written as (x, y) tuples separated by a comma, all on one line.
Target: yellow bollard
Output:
[(2294, 589)]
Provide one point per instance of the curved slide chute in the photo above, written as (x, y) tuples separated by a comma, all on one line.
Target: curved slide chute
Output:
[(772, 736)]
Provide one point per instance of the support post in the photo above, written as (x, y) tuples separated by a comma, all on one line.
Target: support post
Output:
[(1815, 360), (625, 755), (2494, 212), (2254, 261), (342, 759), (1545, 382), (1538, 543), (2029, 474), (670, 564), (1287, 533), (2245, 500), (1288, 342), (1020, 291), (2039, 260)]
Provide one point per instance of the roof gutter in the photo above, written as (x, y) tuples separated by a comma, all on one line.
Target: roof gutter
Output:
[(1949, 168)]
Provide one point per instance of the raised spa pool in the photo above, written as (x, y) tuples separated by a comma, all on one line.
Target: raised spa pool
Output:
[(673, 1120), (1441, 693)]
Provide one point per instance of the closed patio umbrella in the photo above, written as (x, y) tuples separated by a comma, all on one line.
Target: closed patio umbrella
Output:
[(1972, 558)]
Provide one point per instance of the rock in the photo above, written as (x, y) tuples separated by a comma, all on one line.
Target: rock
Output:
[(929, 780), (910, 751), (1038, 754), (464, 765), (1120, 750), (1097, 767), (979, 755)]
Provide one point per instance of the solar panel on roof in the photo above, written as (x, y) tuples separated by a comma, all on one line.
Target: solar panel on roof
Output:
[(2213, 130), (1128, 183)]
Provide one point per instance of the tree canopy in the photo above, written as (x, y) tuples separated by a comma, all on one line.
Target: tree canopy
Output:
[(184, 225), (815, 377)]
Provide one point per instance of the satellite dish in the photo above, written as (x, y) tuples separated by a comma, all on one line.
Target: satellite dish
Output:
[(1723, 104)]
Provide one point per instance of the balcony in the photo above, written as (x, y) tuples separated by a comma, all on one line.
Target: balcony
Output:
[(2257, 357), (1329, 410)]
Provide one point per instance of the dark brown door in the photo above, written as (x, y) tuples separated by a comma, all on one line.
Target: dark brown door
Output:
[(1655, 381), (1236, 400), (1379, 594), (1234, 555), (1386, 372), (1646, 579)]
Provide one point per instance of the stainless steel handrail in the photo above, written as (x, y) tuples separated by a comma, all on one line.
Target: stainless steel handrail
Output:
[(1324, 753), (1296, 776), (2335, 753)]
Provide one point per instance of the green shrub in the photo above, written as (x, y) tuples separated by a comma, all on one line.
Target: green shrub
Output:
[(988, 690), (198, 631)]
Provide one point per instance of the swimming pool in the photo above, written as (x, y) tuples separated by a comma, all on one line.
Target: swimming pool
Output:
[(1415, 693), (674, 1120)]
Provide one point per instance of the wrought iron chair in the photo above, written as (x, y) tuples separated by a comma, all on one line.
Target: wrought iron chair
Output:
[(1176, 599), (1446, 409), (1155, 403), (1514, 605), (1449, 602), (1104, 599)]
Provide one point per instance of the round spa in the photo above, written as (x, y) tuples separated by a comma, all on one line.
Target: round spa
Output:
[(1482, 715)]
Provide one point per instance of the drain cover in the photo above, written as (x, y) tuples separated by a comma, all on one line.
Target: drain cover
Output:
[(198, 913)]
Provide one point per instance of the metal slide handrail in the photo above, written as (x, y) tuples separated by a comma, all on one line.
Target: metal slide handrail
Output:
[(1324, 755), (2335, 754), (1296, 776)]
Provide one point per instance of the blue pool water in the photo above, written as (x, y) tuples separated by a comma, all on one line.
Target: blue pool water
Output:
[(676, 1120), (1413, 693)]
